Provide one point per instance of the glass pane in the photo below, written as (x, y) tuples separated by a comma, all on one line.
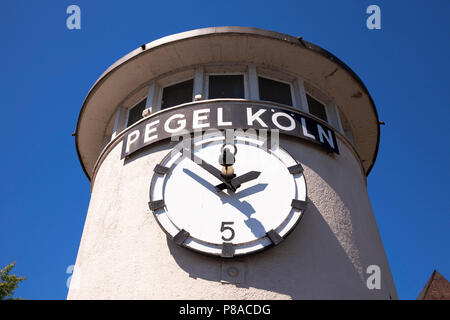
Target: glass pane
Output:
[(316, 108), (226, 86), (271, 90), (135, 114), (177, 94)]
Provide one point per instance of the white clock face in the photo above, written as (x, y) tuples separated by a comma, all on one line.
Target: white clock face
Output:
[(200, 210)]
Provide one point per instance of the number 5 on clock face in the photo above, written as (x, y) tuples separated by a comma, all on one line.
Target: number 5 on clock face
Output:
[(228, 208), (224, 228)]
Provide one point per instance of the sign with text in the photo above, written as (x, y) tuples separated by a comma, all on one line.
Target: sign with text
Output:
[(227, 115)]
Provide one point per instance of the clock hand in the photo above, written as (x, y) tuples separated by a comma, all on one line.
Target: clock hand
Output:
[(236, 182), (211, 169), (202, 181)]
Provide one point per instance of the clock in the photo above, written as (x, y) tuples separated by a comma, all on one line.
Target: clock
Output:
[(228, 199)]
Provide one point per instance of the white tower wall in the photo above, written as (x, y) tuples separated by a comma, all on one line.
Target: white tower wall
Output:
[(124, 254)]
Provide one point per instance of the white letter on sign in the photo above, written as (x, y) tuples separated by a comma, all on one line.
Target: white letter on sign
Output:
[(132, 138), (275, 117), (220, 121), (148, 130), (252, 117), (181, 123), (305, 130), (328, 137), (197, 117)]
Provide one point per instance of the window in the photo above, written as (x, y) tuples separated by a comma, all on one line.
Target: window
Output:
[(177, 94), (135, 113), (226, 86), (317, 108), (271, 90)]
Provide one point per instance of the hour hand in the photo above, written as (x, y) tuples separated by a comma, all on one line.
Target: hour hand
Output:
[(209, 168), (236, 182)]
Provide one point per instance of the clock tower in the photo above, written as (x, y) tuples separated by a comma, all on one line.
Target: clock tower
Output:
[(229, 163)]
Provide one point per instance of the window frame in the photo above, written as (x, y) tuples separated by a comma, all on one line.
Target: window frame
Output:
[(206, 83), (129, 110), (325, 106), (293, 98), (296, 86), (161, 89)]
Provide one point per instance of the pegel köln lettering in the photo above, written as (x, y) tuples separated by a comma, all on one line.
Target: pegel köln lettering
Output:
[(227, 115)]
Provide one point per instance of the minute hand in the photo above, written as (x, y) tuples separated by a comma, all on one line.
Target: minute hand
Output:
[(236, 182), (211, 169)]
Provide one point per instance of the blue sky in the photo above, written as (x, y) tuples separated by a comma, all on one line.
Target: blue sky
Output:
[(47, 70)]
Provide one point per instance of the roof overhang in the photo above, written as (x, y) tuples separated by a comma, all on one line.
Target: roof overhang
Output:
[(224, 45)]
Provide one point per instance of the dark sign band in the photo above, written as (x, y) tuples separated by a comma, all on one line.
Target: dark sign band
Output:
[(227, 115)]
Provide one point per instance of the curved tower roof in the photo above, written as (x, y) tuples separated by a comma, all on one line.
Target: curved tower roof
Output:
[(227, 45)]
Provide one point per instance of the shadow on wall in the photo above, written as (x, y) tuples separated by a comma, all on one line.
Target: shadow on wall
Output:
[(309, 264), (324, 256), (339, 190)]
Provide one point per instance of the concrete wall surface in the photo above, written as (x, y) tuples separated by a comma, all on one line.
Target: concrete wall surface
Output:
[(124, 254)]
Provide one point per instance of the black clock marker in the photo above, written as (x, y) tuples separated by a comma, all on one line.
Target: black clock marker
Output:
[(159, 169), (155, 205), (298, 204), (274, 237), (180, 237), (227, 250), (296, 169)]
